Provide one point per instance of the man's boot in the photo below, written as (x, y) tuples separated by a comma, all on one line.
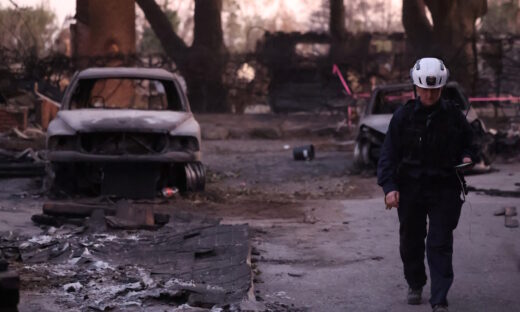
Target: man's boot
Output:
[(440, 308), (414, 296)]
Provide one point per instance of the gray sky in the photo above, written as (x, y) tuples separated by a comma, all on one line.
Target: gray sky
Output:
[(62, 8)]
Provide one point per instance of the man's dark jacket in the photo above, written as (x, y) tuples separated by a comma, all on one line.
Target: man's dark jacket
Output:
[(424, 142)]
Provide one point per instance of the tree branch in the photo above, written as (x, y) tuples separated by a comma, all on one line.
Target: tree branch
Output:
[(174, 46)]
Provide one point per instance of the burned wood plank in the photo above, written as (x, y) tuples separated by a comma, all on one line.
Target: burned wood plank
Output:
[(56, 221), (70, 209), (124, 224), (215, 255)]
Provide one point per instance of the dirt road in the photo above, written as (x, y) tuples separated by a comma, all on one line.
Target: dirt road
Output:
[(331, 246)]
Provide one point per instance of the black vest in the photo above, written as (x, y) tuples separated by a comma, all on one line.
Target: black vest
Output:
[(431, 142)]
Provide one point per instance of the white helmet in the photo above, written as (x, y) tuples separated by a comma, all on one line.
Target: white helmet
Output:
[(429, 73)]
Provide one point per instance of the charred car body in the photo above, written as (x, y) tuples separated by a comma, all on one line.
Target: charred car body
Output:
[(127, 132), (383, 103)]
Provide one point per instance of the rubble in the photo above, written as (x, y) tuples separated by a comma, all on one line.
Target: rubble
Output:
[(13, 117), (72, 287), (196, 261), (508, 140), (509, 214), (97, 216), (27, 163), (46, 108)]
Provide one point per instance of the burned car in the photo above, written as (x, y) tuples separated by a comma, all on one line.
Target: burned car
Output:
[(124, 131), (384, 102)]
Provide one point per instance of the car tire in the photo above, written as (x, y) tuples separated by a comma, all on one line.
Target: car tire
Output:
[(362, 155), (190, 177), (488, 152)]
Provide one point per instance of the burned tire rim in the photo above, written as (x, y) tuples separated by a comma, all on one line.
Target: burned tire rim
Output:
[(190, 178), (195, 177)]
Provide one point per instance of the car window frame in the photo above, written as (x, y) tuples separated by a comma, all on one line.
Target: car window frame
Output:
[(69, 91)]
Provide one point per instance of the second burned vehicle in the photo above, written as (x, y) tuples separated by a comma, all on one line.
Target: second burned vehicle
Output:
[(374, 123), (126, 132)]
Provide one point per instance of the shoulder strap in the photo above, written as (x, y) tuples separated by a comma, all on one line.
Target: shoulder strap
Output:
[(408, 110)]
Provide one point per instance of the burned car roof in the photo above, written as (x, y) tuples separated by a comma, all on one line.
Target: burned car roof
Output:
[(126, 72)]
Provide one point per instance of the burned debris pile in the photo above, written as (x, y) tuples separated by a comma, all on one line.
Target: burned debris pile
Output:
[(508, 140), (27, 163), (190, 260)]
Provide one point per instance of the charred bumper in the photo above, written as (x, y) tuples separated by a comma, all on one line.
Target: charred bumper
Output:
[(169, 157)]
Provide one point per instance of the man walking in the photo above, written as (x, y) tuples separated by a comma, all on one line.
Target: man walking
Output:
[(426, 139)]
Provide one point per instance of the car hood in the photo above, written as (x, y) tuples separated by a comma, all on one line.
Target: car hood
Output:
[(377, 122), (381, 122), (90, 120)]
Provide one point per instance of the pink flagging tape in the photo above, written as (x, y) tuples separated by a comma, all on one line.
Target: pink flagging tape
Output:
[(362, 95), (495, 99), (335, 70)]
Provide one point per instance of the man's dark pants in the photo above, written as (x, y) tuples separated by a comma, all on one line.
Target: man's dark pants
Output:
[(439, 199)]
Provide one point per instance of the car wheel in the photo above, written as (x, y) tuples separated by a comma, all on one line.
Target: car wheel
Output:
[(362, 154), (488, 152), (358, 162), (189, 177)]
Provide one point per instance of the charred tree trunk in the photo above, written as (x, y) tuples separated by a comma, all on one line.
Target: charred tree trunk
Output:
[(454, 36), (418, 29), (202, 64), (337, 20), (208, 57), (451, 37)]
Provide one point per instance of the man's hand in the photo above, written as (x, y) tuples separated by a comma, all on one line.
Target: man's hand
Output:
[(466, 160), (392, 199)]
